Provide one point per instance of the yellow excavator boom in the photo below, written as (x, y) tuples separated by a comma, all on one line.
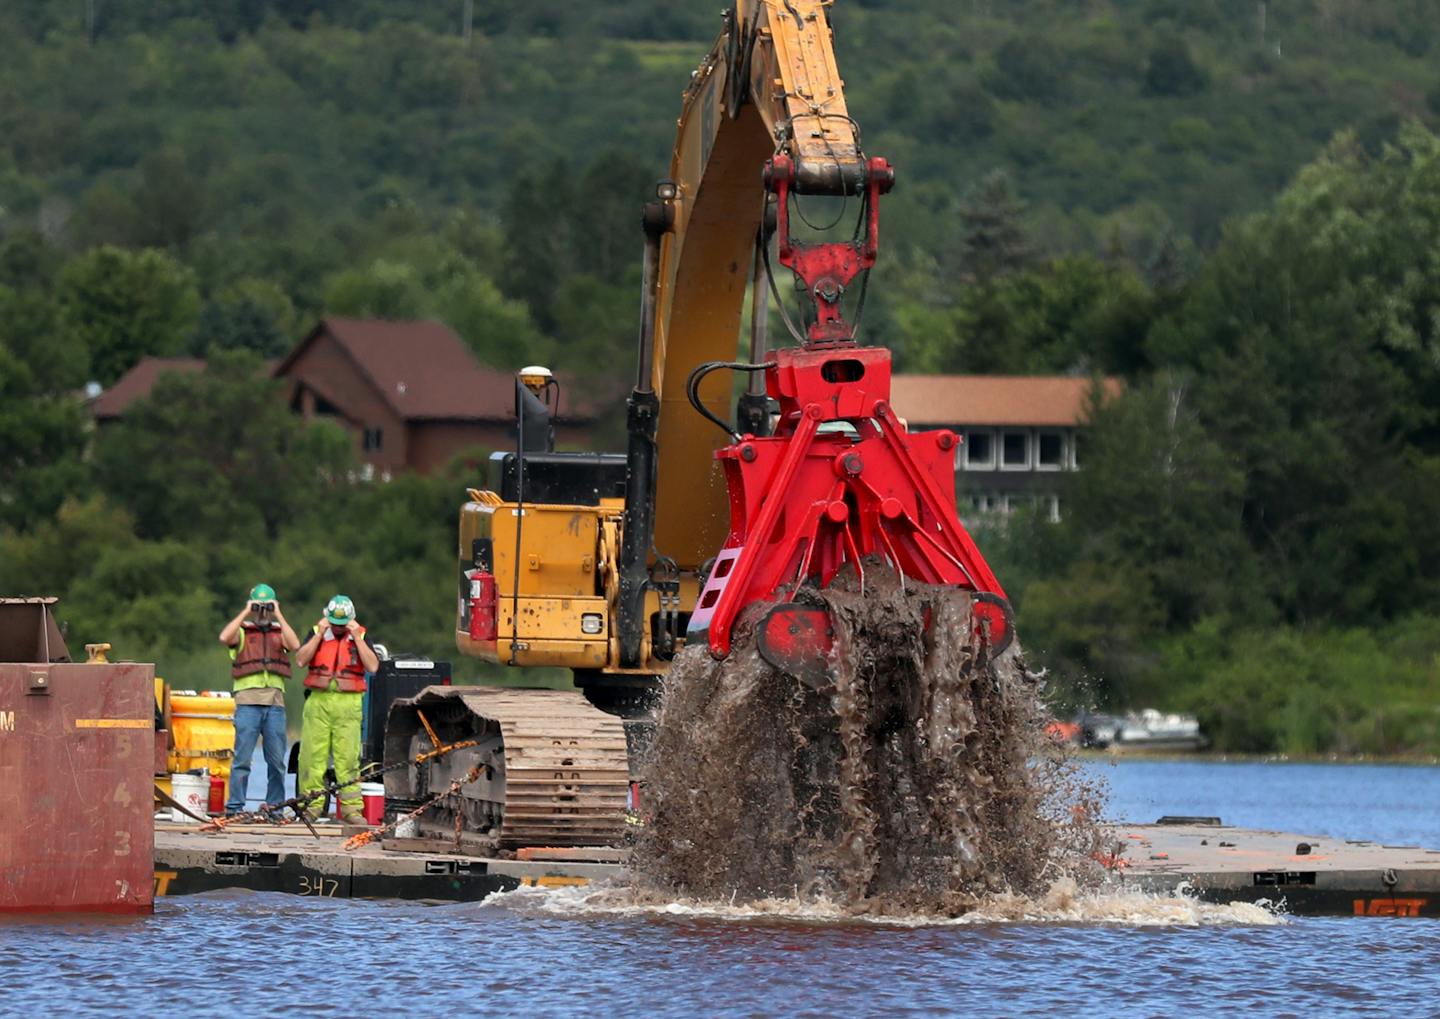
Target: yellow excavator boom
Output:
[(770, 84), (604, 585)]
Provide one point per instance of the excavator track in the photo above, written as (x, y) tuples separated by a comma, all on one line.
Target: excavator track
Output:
[(555, 769)]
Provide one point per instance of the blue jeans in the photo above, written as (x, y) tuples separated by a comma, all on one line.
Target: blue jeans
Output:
[(254, 721)]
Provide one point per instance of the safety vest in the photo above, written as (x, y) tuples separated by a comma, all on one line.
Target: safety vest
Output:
[(261, 660), (338, 660)]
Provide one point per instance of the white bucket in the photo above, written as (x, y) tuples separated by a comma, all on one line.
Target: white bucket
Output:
[(193, 793), (407, 829)]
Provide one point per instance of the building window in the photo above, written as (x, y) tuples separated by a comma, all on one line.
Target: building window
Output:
[(979, 450), (996, 508), (1015, 451), (1075, 451), (374, 439), (1049, 451)]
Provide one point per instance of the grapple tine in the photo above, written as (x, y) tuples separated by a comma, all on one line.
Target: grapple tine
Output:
[(808, 500), (797, 639), (997, 620)]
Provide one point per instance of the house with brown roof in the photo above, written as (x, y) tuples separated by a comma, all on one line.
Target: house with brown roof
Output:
[(1017, 432), (411, 393), (137, 383)]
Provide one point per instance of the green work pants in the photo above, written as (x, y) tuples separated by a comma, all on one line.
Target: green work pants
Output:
[(331, 729)]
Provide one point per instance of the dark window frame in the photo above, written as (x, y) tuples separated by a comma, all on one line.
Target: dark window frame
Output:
[(1026, 437), (975, 463), (1059, 462)]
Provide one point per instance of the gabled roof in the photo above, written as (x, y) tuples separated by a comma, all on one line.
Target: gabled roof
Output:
[(138, 381), (422, 370), (1049, 400)]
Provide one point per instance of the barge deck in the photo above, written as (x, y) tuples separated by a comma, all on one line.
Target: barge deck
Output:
[(1306, 875), (1302, 875)]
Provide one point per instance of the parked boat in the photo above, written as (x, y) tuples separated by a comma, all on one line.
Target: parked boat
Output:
[(1135, 731), (1153, 730)]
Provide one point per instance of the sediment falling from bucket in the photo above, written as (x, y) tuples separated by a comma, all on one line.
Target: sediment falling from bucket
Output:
[(918, 781)]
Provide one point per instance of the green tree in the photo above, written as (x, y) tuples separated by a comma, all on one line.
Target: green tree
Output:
[(42, 423), (51, 359), (992, 237), (1094, 626), (498, 330), (170, 199), (41, 442), (1072, 315), (605, 222), (383, 289), (225, 458), (127, 305), (1172, 71), (1159, 497), (1317, 366), (537, 252), (50, 557), (1028, 67), (152, 595), (249, 314), (28, 259)]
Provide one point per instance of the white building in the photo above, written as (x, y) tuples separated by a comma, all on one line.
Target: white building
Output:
[(1017, 432)]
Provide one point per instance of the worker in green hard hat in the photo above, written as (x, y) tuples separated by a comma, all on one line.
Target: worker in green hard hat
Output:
[(337, 657), (260, 641)]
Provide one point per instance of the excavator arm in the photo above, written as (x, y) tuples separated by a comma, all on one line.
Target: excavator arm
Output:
[(763, 120), (769, 86)]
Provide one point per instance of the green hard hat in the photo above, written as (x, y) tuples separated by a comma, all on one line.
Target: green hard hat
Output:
[(262, 592), (340, 610)]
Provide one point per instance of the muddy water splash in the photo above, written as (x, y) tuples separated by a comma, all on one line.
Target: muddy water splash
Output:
[(918, 782), (1063, 902)]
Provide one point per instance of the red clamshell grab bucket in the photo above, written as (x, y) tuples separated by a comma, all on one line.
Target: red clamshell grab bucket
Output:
[(842, 480), (817, 497), (798, 639)]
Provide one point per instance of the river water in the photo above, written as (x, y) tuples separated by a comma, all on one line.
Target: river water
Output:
[(587, 952)]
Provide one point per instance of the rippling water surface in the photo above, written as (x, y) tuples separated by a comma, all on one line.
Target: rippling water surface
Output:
[(586, 951)]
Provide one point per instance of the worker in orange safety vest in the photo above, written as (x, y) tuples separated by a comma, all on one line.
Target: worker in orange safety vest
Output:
[(337, 657), (260, 641)]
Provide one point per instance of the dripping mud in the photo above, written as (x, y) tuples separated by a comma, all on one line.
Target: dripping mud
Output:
[(918, 782)]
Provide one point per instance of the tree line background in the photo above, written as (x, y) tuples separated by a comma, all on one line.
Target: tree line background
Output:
[(1233, 205)]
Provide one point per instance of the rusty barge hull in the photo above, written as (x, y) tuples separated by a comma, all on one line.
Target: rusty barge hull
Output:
[(77, 753), (1215, 863)]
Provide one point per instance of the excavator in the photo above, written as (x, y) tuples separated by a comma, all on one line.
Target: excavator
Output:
[(609, 564)]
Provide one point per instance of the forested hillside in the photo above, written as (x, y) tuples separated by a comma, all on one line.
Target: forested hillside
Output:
[(1101, 186)]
